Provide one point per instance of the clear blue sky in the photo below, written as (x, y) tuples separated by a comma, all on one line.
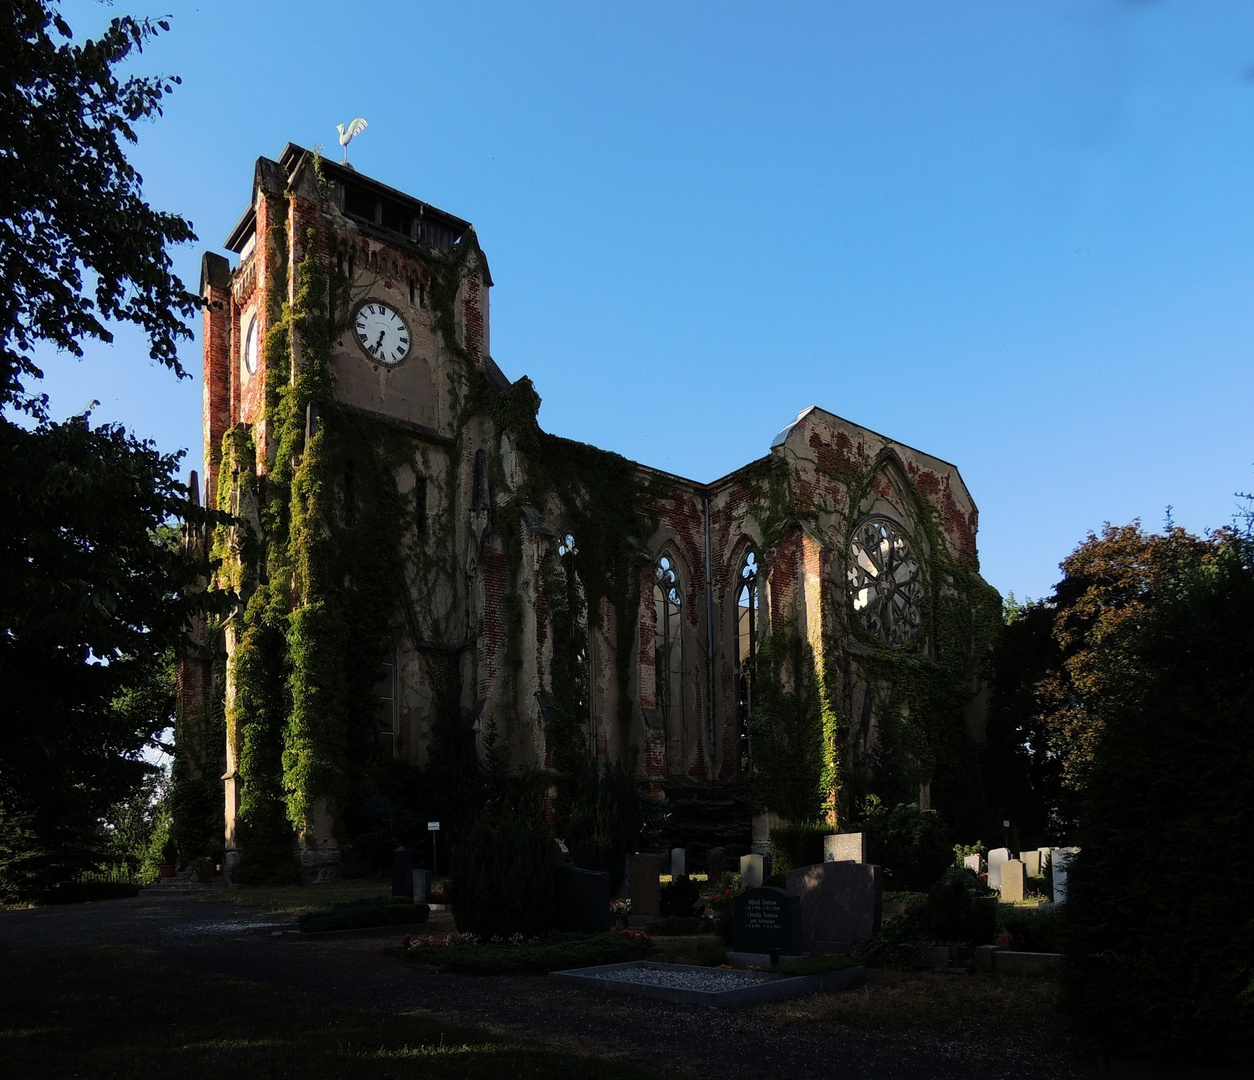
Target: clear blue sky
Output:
[(1019, 236)]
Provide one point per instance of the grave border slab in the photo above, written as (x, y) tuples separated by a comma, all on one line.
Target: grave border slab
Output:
[(771, 988)]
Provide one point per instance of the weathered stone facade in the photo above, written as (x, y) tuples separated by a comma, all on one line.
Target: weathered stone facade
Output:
[(512, 603)]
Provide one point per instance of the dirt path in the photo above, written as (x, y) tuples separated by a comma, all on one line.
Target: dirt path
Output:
[(684, 1040)]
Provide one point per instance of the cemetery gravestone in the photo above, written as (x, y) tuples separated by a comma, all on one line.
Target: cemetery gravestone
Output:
[(1060, 863), (845, 847), (422, 886), (996, 859), (403, 873), (646, 896), (583, 900), (1031, 863), (679, 862), (765, 921), (840, 903), (972, 863), (715, 864), (751, 871), (1014, 883)]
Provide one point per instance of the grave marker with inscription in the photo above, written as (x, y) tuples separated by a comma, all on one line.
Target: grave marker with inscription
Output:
[(765, 920)]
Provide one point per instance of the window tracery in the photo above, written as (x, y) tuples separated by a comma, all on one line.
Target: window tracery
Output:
[(885, 581), (668, 645), (746, 647)]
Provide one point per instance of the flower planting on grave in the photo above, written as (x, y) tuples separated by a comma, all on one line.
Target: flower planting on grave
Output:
[(516, 954)]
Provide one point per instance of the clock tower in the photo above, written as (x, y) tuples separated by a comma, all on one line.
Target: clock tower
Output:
[(338, 346)]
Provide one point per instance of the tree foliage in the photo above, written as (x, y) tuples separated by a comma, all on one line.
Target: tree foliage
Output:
[(1064, 663), (94, 597), (1161, 957), (95, 589), (78, 244)]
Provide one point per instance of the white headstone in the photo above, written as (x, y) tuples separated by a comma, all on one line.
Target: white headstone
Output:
[(1014, 881), (1060, 864), (845, 847), (750, 872), (679, 862), (972, 863), (998, 857)]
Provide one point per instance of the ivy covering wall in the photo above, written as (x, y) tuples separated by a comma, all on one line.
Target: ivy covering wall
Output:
[(921, 690)]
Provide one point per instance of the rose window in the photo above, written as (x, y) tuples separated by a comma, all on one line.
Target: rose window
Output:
[(884, 581)]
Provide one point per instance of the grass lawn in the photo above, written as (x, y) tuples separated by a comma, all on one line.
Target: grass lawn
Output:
[(297, 899), (982, 1018), (111, 1011)]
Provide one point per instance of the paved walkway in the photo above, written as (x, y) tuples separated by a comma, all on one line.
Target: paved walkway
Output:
[(678, 1040)]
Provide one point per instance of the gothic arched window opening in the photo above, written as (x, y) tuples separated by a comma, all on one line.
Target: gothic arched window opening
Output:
[(668, 651), (746, 648), (575, 643)]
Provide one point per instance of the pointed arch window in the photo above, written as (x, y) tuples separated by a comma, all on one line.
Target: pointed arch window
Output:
[(576, 647), (668, 654), (746, 647)]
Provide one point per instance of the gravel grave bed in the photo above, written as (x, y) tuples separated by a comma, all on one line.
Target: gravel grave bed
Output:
[(692, 978)]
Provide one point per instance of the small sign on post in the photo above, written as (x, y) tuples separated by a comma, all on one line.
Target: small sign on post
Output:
[(433, 827)]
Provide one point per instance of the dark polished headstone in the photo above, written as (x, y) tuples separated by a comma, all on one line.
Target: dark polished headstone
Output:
[(646, 896), (422, 886), (765, 920), (583, 899), (403, 872), (715, 864), (841, 902)]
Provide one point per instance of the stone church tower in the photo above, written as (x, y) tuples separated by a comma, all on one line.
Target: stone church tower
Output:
[(418, 566)]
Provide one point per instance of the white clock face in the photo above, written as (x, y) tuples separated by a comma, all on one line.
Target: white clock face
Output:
[(381, 332), (250, 347)]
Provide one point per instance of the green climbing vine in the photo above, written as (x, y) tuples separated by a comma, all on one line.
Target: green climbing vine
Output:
[(921, 688)]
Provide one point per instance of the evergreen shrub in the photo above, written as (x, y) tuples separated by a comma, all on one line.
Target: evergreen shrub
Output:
[(912, 845), (502, 876), (798, 845), (680, 897), (960, 910)]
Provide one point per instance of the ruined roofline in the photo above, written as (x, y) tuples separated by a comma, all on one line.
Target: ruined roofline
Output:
[(782, 437), (277, 176)]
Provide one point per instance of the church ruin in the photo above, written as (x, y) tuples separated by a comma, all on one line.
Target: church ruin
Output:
[(413, 555)]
